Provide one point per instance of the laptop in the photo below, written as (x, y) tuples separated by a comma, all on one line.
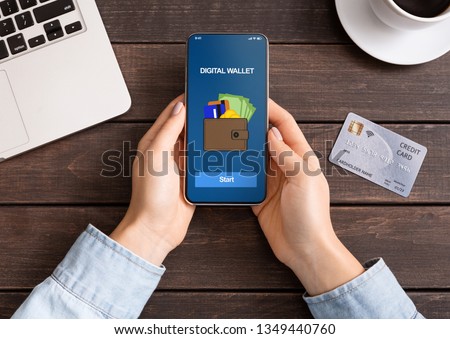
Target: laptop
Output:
[(58, 72)]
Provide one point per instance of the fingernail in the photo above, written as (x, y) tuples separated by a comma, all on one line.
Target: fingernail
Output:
[(277, 133), (177, 108)]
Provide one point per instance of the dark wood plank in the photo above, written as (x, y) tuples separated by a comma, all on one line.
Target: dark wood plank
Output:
[(264, 305), (10, 302), (232, 305), (315, 83), (225, 248), (227, 305), (299, 21), (69, 171), (432, 305)]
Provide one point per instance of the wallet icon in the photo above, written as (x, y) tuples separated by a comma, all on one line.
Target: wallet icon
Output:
[(225, 134), (225, 126)]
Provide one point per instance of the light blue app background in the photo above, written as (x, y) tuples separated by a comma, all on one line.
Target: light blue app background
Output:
[(234, 64)]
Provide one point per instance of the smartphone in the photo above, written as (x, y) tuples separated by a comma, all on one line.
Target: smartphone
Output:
[(227, 119)]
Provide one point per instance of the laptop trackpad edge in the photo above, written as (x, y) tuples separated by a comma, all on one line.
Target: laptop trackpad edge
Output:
[(12, 129)]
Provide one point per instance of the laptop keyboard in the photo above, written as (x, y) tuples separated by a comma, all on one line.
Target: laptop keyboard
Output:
[(28, 25)]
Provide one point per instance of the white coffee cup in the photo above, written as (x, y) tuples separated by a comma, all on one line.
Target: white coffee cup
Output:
[(392, 15)]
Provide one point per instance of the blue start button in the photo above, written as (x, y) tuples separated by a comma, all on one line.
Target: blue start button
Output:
[(224, 180)]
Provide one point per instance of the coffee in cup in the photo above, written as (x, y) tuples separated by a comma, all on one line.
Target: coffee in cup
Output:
[(423, 8), (408, 15)]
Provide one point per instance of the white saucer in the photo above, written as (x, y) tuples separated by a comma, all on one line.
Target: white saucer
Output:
[(388, 44)]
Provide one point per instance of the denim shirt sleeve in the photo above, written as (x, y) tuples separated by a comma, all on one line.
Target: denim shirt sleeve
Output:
[(98, 278), (374, 294)]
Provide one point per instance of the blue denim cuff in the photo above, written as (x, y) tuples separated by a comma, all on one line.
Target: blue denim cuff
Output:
[(106, 276), (374, 294)]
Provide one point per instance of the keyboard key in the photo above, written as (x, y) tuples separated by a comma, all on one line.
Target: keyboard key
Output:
[(36, 41), (53, 10), (24, 20), (6, 27), (55, 35), (3, 50), (17, 44), (72, 28), (9, 7), (52, 26), (53, 30), (27, 3)]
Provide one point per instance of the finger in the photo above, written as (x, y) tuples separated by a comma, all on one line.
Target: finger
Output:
[(170, 131), (288, 127), (153, 131), (289, 162), (179, 155)]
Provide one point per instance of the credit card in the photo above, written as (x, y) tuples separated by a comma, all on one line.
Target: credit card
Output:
[(378, 154), (213, 111)]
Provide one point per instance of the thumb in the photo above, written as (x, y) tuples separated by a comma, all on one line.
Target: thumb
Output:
[(287, 160), (168, 134)]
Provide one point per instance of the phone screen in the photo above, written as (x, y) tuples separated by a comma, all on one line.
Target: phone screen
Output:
[(226, 126)]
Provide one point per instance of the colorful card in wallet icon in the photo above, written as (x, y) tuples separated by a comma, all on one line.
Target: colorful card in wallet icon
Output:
[(220, 102), (214, 111), (225, 134)]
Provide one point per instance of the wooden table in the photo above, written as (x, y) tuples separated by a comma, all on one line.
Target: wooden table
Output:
[(225, 268)]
